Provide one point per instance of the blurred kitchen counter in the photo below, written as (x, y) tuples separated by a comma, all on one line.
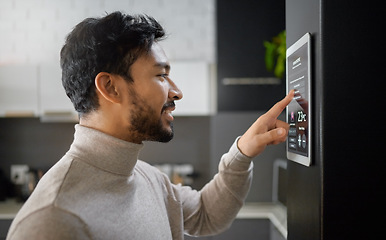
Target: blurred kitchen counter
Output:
[(9, 208), (275, 212)]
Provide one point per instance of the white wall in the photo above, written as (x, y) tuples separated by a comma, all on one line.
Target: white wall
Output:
[(33, 31)]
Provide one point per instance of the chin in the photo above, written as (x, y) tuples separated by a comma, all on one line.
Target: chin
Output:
[(166, 134)]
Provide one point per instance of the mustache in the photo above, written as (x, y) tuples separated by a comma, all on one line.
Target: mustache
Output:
[(168, 105)]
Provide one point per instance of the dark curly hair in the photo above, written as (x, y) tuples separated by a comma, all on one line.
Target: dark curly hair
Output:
[(108, 44)]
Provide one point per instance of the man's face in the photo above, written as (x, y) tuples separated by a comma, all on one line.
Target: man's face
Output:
[(151, 97)]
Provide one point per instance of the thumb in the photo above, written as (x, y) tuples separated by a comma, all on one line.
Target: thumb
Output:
[(253, 144), (280, 132)]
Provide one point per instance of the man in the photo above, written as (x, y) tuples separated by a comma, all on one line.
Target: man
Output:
[(119, 80)]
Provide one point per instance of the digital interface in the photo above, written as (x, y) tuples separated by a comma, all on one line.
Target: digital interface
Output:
[(298, 111)]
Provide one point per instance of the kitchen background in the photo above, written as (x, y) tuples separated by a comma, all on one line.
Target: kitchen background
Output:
[(207, 38)]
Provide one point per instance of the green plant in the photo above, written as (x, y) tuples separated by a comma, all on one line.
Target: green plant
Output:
[(275, 54)]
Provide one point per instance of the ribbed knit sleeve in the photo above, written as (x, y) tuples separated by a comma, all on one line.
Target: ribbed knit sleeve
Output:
[(213, 209)]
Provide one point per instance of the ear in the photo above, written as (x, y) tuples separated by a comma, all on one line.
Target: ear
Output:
[(107, 87)]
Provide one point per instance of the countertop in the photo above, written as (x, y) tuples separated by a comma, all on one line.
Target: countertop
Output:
[(275, 212), (9, 208)]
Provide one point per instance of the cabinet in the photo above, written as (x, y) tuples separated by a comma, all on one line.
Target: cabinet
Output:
[(18, 90), (243, 83), (30, 90), (54, 105), (194, 79), (4, 226)]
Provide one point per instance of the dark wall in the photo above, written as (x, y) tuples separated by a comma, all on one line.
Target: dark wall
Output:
[(354, 91), (242, 27), (336, 197)]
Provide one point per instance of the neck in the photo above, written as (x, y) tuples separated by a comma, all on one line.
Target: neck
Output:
[(110, 126)]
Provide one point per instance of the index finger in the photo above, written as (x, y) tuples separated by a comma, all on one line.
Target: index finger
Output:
[(278, 108)]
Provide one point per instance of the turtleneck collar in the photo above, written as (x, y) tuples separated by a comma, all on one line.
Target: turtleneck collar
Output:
[(104, 151)]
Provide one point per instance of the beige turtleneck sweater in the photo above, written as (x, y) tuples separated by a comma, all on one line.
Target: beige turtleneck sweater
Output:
[(100, 190)]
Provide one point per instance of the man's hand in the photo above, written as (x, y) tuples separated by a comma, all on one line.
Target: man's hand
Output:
[(266, 130)]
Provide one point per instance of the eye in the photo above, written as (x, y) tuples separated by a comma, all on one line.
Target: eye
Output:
[(164, 76)]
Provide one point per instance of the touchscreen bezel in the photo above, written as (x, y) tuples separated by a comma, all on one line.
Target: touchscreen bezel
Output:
[(291, 155)]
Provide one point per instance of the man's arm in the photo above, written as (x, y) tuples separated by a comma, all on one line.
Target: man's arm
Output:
[(221, 199)]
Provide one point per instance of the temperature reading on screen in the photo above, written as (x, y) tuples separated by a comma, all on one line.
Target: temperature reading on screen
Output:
[(302, 117)]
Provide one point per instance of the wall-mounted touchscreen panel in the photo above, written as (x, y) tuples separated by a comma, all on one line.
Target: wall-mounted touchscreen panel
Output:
[(299, 110)]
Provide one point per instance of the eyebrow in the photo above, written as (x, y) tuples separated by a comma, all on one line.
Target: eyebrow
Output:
[(164, 65)]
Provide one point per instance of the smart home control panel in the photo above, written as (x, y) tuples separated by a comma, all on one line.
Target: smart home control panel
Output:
[(299, 112)]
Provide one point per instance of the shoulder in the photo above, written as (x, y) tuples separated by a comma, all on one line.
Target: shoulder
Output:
[(49, 223), (46, 191), (40, 217)]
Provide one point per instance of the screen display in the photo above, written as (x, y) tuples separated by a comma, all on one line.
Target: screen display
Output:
[(298, 111)]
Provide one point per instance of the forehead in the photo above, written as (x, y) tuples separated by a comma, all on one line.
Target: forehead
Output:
[(156, 56), (150, 63), (158, 53)]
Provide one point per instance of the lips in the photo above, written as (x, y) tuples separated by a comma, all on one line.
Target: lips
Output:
[(168, 107), (167, 110)]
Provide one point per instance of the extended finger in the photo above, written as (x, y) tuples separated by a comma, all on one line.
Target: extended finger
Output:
[(278, 108)]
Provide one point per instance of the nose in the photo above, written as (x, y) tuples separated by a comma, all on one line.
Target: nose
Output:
[(174, 92)]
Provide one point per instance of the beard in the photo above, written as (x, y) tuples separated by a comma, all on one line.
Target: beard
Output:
[(151, 130), (146, 123)]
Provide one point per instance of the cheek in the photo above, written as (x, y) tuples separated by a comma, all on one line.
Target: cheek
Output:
[(156, 95), (159, 90)]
